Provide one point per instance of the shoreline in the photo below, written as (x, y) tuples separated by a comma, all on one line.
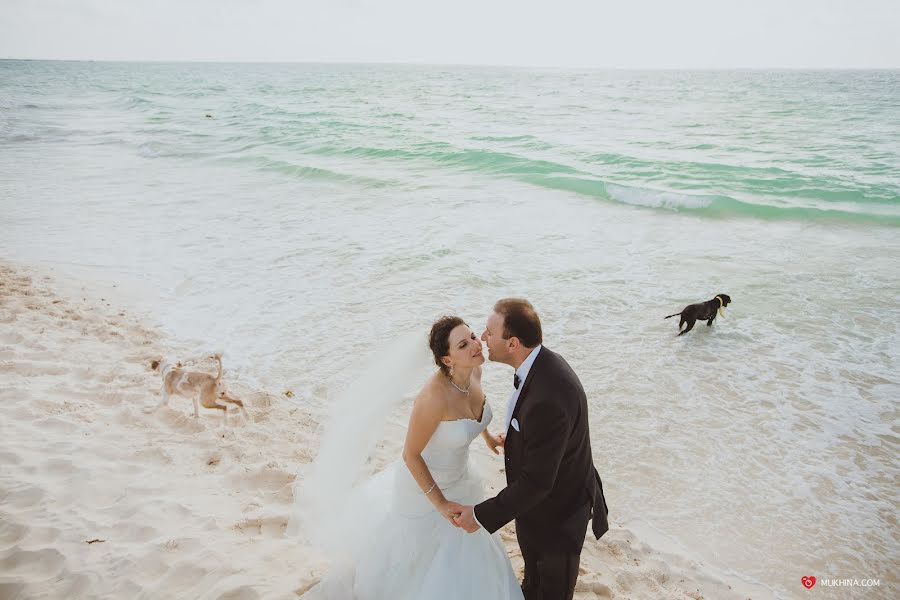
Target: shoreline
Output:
[(103, 500)]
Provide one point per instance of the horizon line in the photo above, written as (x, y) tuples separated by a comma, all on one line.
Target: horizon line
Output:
[(454, 64)]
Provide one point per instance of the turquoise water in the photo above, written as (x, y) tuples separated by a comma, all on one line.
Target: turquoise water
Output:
[(321, 209), (766, 144)]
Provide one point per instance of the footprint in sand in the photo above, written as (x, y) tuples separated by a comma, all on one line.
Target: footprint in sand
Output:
[(132, 532), (24, 497), (184, 575), (11, 338), (33, 565), (189, 546), (42, 536), (177, 420), (13, 590), (9, 458), (243, 592), (39, 356), (33, 369), (270, 526), (152, 455), (56, 424), (32, 344), (59, 466), (11, 533), (84, 374), (593, 587), (269, 477)]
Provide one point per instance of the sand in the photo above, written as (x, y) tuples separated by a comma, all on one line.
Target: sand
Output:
[(100, 499)]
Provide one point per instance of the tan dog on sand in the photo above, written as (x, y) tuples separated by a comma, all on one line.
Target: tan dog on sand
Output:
[(201, 388)]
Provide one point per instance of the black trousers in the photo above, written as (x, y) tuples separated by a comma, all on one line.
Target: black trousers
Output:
[(551, 572), (550, 576)]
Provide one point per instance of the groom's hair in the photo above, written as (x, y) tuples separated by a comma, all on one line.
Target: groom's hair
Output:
[(520, 320)]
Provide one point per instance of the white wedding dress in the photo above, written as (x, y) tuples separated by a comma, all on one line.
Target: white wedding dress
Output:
[(414, 553)]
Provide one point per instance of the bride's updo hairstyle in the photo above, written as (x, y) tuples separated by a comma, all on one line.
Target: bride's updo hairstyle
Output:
[(439, 340)]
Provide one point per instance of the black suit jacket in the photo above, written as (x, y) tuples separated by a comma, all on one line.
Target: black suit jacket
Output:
[(552, 485)]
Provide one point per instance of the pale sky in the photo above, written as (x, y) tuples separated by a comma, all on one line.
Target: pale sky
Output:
[(562, 33)]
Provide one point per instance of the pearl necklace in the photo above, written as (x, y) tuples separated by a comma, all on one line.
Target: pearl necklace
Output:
[(464, 391)]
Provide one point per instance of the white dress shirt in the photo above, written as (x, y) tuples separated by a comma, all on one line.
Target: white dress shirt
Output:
[(522, 372)]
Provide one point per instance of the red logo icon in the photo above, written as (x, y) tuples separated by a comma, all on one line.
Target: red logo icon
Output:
[(808, 581)]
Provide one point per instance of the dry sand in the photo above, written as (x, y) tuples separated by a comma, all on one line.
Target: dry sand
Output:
[(99, 499)]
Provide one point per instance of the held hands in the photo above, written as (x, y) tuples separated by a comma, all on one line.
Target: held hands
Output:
[(451, 511), (460, 516), (466, 519), (494, 441)]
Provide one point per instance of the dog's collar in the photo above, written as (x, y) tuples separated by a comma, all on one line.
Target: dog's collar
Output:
[(721, 307)]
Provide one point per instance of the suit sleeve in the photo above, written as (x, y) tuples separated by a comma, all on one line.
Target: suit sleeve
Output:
[(542, 452)]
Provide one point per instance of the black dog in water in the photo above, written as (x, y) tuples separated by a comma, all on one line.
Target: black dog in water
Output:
[(702, 311)]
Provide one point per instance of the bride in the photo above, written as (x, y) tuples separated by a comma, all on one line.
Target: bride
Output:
[(417, 551)]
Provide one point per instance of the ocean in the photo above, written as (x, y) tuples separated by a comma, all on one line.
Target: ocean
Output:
[(301, 217)]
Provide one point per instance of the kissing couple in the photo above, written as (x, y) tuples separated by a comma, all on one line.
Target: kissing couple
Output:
[(439, 540)]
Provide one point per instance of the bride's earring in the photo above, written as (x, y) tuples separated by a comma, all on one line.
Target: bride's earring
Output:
[(451, 370)]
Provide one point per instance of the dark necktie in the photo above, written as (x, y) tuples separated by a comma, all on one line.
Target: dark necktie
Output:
[(516, 380)]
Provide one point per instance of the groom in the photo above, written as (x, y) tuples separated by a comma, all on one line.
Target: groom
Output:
[(553, 489)]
